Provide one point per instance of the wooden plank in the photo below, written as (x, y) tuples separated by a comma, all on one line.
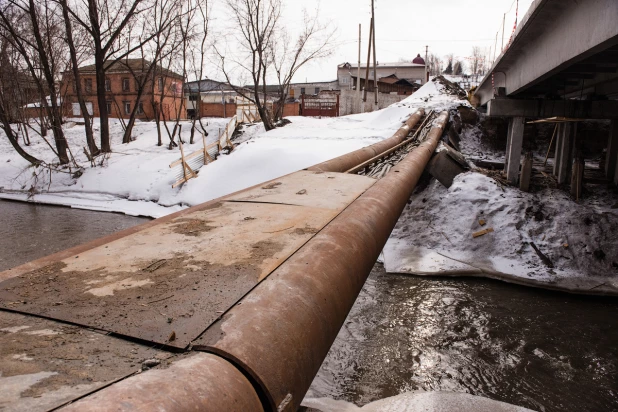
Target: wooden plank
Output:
[(188, 157), (482, 232)]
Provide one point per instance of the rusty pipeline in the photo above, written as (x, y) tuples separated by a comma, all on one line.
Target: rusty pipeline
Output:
[(349, 160), (280, 333), (199, 382), (390, 151)]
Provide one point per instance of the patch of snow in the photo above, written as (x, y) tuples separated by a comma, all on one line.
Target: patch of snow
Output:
[(417, 401), (434, 235)]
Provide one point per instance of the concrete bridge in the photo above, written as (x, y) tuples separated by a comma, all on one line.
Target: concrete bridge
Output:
[(562, 62)]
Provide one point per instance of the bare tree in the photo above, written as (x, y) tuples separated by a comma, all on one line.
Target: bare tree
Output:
[(268, 52), (12, 99), (314, 42), (92, 146), (35, 31), (449, 59), (115, 29), (197, 58), (458, 68), (152, 53), (434, 65), (477, 60), (255, 23)]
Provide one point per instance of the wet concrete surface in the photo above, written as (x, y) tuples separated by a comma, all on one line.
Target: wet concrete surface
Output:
[(546, 351), (29, 231)]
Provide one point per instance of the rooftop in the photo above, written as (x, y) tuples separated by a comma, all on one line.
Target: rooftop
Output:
[(130, 65), (396, 64)]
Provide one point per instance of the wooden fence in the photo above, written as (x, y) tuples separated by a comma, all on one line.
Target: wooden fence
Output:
[(187, 167)]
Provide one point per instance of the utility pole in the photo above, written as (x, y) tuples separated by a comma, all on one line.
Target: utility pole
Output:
[(358, 80), (375, 77), (368, 61), (426, 63)]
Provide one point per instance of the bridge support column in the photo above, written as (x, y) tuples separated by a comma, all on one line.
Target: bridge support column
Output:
[(612, 150), (513, 149), (558, 152), (564, 161)]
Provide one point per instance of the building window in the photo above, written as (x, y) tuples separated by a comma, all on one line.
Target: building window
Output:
[(140, 108), (126, 85), (127, 107), (88, 85), (292, 93), (108, 85), (108, 105), (317, 90), (160, 84), (302, 90), (193, 97)]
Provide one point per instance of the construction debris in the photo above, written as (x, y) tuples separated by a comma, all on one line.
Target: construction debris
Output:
[(482, 232)]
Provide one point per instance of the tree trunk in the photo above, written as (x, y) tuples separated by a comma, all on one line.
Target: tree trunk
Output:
[(92, 146), (6, 126), (52, 112), (102, 101)]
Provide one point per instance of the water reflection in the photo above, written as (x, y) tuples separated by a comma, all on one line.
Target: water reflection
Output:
[(29, 231), (541, 350)]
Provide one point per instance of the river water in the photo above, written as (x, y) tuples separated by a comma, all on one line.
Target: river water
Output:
[(542, 350)]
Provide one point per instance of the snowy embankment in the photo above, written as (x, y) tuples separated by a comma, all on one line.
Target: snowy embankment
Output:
[(434, 236), (136, 179)]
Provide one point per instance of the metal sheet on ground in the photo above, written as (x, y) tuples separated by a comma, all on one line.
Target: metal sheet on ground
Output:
[(44, 364), (317, 189), (167, 283)]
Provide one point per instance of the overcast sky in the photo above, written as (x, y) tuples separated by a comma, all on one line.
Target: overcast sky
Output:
[(404, 27)]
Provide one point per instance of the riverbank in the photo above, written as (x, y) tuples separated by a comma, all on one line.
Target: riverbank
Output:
[(576, 246), (136, 179)]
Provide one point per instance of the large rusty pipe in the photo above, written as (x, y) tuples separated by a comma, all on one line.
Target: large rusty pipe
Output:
[(349, 160), (281, 332), (200, 382)]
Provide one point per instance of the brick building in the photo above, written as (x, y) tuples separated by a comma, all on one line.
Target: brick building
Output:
[(162, 89)]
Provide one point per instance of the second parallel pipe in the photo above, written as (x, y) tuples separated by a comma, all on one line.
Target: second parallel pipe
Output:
[(349, 160)]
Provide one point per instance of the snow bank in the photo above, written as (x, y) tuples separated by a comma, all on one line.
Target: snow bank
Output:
[(136, 178), (417, 402), (434, 236), (438, 94)]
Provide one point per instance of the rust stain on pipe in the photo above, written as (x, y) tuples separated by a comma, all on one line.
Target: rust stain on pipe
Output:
[(349, 160), (201, 382), (282, 331)]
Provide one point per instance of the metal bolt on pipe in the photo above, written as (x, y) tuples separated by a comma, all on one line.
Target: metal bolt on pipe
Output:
[(349, 160), (281, 332)]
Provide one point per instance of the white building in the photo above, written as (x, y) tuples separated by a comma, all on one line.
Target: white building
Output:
[(414, 72)]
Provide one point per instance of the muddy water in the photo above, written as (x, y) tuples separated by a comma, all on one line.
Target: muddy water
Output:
[(29, 231), (545, 351), (542, 350)]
